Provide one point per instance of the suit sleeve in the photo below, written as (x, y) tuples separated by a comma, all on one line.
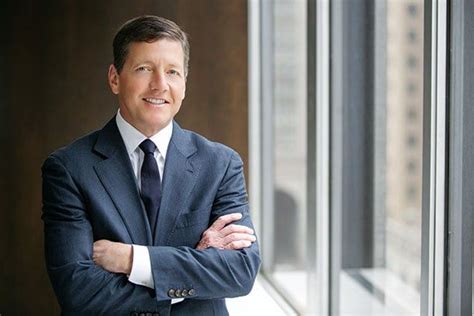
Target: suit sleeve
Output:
[(80, 286), (211, 273)]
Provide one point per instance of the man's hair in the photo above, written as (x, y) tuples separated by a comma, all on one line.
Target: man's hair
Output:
[(147, 28)]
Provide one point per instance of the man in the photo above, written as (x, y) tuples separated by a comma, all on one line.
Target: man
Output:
[(143, 216)]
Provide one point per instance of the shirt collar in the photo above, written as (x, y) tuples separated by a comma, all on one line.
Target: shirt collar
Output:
[(133, 137)]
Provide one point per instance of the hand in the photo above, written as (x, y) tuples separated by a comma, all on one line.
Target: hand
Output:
[(223, 236), (114, 257)]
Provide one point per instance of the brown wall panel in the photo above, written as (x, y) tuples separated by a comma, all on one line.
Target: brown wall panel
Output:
[(219, 64), (54, 61)]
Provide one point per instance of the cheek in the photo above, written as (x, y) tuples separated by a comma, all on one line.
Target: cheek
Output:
[(178, 89), (182, 92), (134, 87)]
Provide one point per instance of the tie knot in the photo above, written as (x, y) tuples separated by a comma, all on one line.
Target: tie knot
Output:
[(148, 147)]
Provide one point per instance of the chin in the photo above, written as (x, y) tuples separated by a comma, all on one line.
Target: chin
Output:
[(158, 125)]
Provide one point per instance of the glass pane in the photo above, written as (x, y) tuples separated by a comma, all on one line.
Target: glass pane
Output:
[(382, 154), (289, 130)]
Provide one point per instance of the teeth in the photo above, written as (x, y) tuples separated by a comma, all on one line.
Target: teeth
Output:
[(155, 101)]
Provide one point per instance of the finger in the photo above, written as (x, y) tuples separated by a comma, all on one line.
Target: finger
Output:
[(238, 236), (234, 228), (238, 244), (98, 246), (222, 221), (101, 243), (201, 246), (96, 252), (95, 248)]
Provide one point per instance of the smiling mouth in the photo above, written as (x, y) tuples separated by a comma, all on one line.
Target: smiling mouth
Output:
[(155, 101)]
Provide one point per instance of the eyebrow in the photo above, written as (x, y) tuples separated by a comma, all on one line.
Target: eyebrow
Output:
[(176, 66), (152, 63)]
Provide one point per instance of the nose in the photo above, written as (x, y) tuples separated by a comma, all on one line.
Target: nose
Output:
[(159, 82)]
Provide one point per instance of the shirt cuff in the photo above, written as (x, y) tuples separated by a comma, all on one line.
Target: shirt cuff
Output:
[(176, 300), (141, 267)]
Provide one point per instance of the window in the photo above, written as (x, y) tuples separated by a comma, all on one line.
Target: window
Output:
[(379, 244), (380, 227), (289, 155), (284, 229), (412, 9), (412, 36), (412, 114), (411, 61)]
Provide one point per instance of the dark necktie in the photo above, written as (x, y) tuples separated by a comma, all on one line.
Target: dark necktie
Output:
[(151, 183)]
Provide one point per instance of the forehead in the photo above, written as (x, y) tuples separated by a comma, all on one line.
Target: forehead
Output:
[(162, 50)]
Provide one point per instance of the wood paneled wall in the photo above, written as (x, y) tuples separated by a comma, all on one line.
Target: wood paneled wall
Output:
[(53, 89)]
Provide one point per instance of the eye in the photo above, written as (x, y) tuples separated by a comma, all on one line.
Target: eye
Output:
[(143, 69), (174, 72)]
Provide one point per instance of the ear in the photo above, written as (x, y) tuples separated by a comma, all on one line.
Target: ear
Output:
[(114, 81)]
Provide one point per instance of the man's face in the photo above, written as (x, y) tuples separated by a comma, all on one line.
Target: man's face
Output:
[(151, 85)]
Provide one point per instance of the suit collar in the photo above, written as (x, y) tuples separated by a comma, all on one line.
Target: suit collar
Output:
[(182, 141), (109, 140), (116, 174), (133, 137)]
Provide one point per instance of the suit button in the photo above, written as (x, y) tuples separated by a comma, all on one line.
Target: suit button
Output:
[(192, 292), (142, 314), (178, 293), (171, 293), (184, 293), (149, 314)]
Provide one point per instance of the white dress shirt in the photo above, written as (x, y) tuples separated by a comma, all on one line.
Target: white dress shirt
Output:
[(141, 267)]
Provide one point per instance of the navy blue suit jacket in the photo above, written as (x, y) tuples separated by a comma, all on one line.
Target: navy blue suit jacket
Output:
[(90, 193)]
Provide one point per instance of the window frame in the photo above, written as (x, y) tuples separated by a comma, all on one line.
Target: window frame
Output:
[(460, 157)]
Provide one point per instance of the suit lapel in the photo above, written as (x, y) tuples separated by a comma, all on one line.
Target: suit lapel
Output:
[(179, 178), (115, 173)]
